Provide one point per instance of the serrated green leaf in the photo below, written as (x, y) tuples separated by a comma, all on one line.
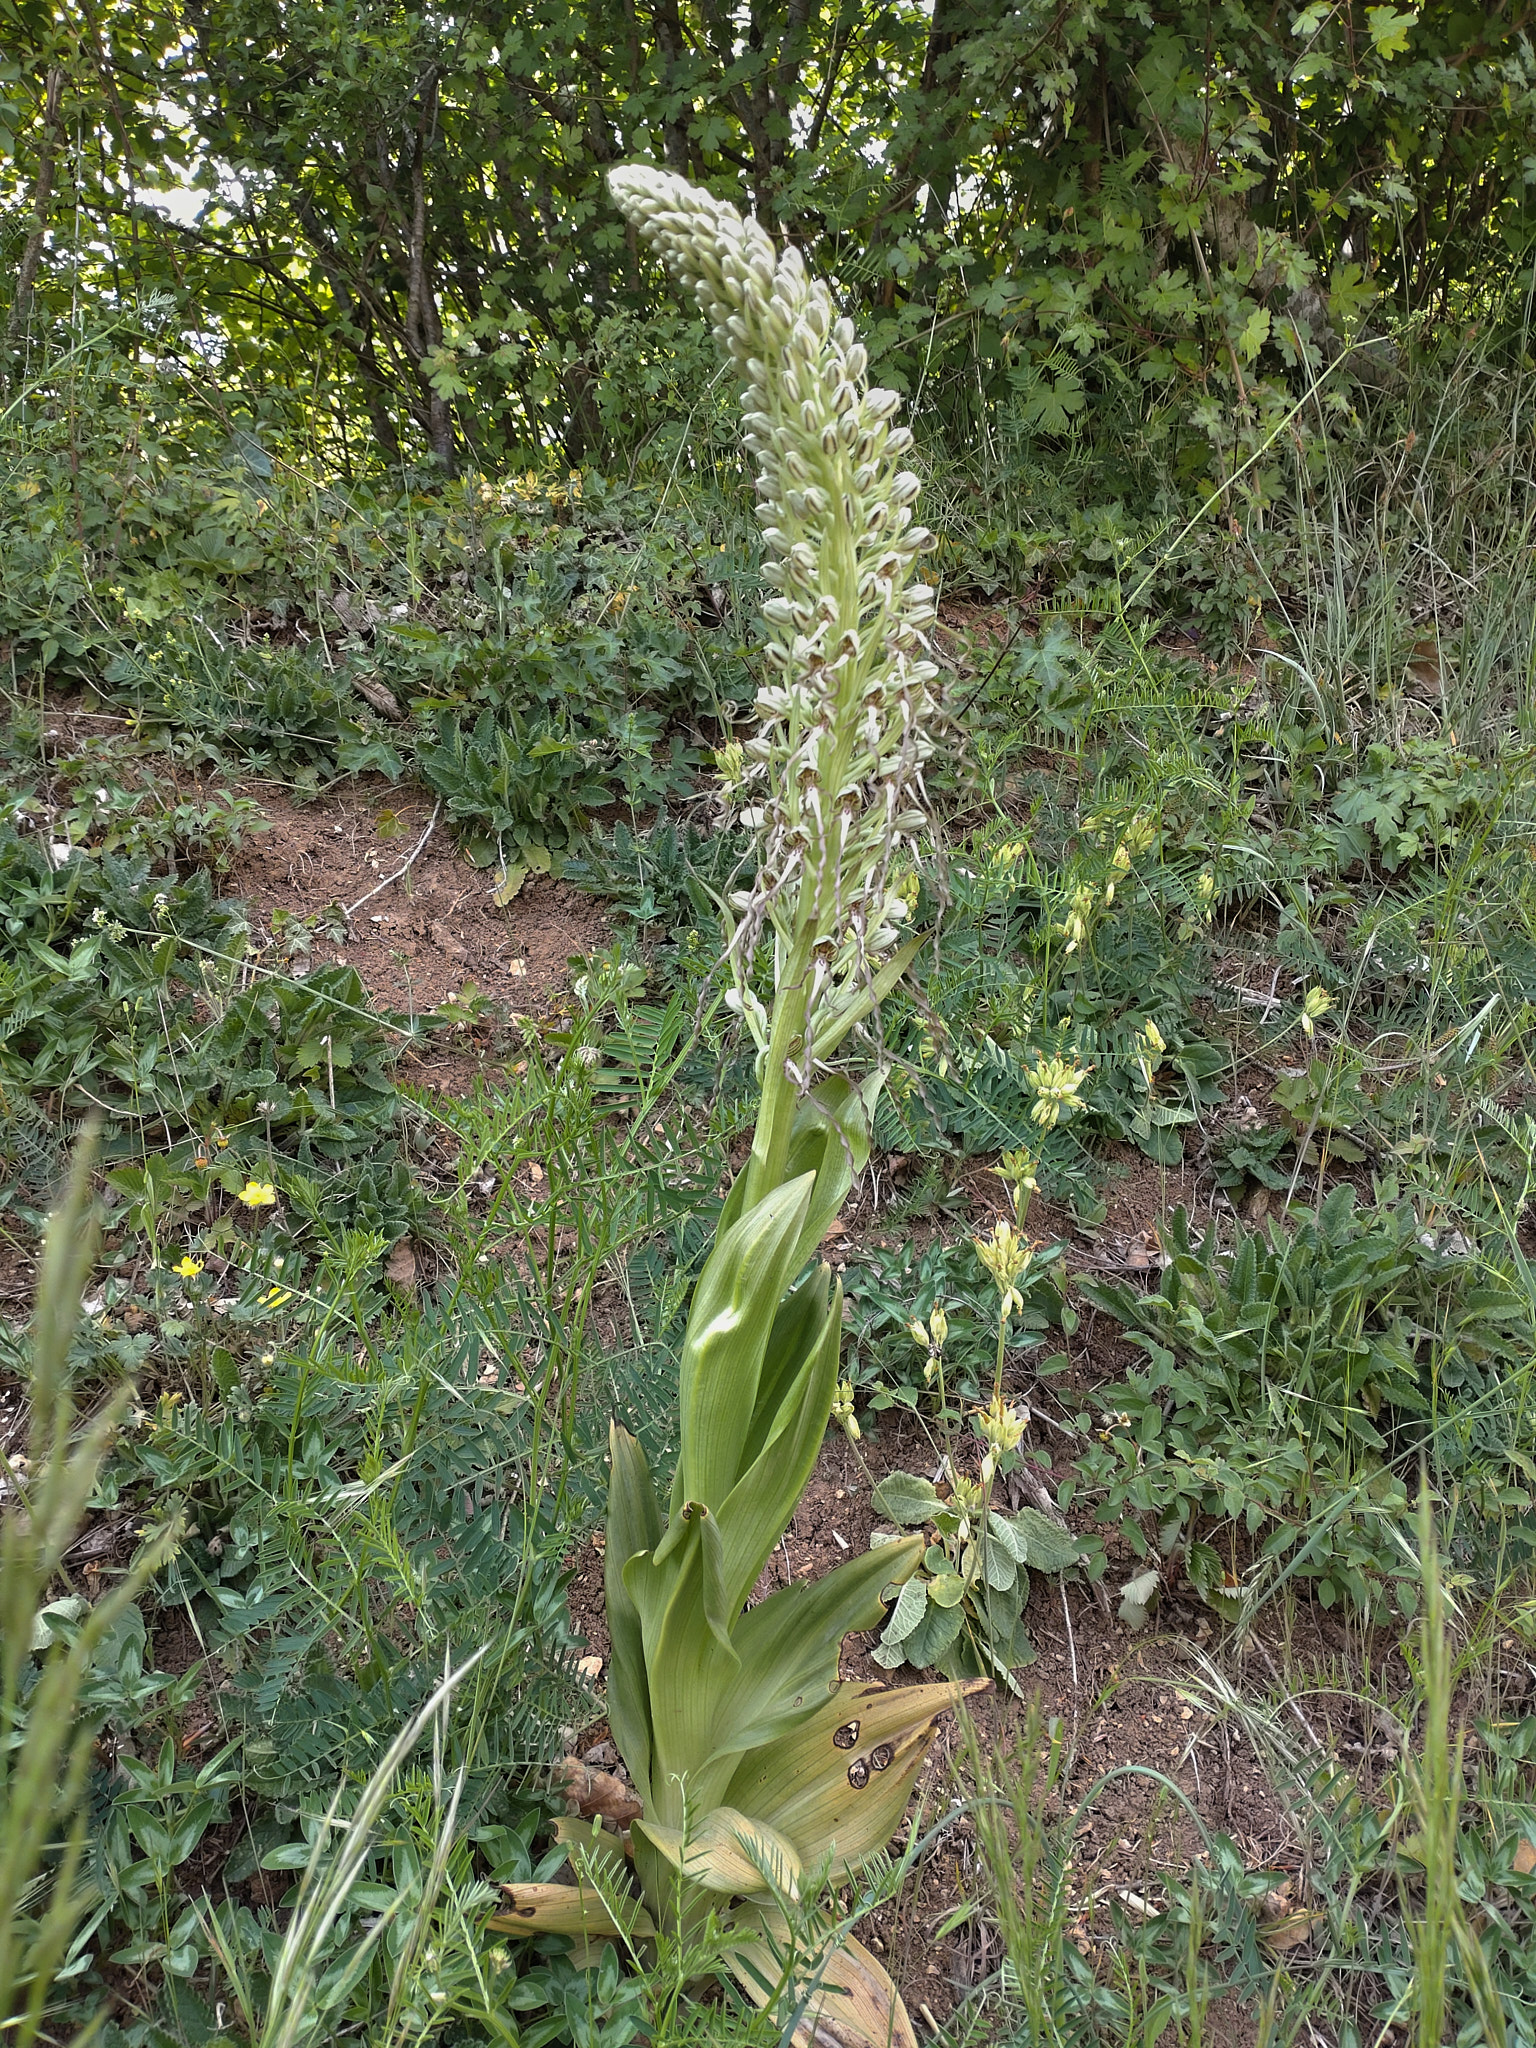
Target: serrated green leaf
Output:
[(904, 1498), (911, 1606), (1137, 1597), (1390, 28), (999, 1567), (1046, 1548)]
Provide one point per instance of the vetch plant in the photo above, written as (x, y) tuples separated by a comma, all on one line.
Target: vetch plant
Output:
[(961, 1612), (762, 1777)]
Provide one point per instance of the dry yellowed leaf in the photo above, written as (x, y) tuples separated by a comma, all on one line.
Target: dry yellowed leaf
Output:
[(588, 1792), (1291, 1931), (1525, 1857)]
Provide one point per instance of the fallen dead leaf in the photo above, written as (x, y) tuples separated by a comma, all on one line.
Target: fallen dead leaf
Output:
[(589, 1792), (379, 695), (1146, 1254), (400, 1266), (1525, 1857), (1290, 1931)]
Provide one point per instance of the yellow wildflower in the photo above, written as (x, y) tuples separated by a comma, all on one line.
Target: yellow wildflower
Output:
[(1056, 1087), (842, 1410), (1316, 1003), (1006, 1255)]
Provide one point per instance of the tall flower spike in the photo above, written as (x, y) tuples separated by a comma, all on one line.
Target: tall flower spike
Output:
[(834, 777)]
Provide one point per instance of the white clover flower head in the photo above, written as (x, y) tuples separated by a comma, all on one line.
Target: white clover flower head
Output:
[(834, 772)]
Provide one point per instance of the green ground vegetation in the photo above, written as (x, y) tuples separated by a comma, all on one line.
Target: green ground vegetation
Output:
[(391, 459)]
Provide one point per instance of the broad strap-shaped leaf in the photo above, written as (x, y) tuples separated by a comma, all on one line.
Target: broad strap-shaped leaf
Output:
[(686, 1670), (838, 1784), (729, 1323), (763, 1499), (574, 1909), (634, 1526), (720, 1608), (788, 1645), (597, 1848), (853, 2003), (724, 1851), (830, 1138), (797, 1328)]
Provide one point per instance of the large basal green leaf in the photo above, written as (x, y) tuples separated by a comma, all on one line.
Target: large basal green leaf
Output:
[(830, 1138), (724, 1851), (788, 1645), (762, 1501), (572, 1909), (796, 1330), (838, 1784), (634, 1526), (732, 1316), (686, 1667), (854, 2004)]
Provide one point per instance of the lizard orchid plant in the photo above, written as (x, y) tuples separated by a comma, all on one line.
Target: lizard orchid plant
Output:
[(761, 1775)]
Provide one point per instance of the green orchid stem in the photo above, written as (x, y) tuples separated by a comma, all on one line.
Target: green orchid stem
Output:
[(776, 1108)]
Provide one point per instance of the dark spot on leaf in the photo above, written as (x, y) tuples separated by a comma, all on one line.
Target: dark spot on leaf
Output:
[(880, 1756), (858, 1773), (846, 1736)]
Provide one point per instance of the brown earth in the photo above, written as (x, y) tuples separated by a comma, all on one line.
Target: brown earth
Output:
[(419, 939)]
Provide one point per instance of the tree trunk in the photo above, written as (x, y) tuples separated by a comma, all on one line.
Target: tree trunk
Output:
[(42, 194)]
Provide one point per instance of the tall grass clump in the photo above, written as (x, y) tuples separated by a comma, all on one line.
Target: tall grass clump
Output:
[(47, 1646)]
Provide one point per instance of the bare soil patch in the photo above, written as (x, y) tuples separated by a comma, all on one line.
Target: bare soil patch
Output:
[(422, 938)]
